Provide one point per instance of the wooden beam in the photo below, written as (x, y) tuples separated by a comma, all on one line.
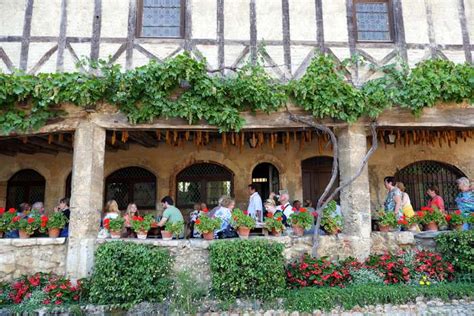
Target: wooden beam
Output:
[(6, 60), (44, 144), (96, 28), (131, 31), (143, 139), (43, 59), (25, 40), (319, 25), (465, 31), (62, 37), (399, 29), (188, 25), (253, 31), (431, 32), (220, 35), (285, 9)]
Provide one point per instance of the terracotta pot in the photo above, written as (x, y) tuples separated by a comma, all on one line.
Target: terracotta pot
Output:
[(384, 228), (166, 235), (276, 233), (142, 234), (115, 234), (244, 232), (24, 234), (414, 228), (208, 236), (54, 232), (432, 226), (457, 227), (298, 230)]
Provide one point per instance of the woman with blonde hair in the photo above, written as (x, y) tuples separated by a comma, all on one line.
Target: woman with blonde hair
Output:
[(407, 208), (129, 214), (224, 212), (111, 212)]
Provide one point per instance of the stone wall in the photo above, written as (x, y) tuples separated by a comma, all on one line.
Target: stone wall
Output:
[(27, 256)]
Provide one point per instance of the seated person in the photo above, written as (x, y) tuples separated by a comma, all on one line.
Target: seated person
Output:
[(63, 207), (171, 213), (23, 212), (224, 212)]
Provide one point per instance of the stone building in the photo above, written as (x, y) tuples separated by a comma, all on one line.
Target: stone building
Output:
[(96, 155)]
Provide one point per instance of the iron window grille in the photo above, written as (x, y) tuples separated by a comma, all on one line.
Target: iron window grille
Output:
[(25, 186)]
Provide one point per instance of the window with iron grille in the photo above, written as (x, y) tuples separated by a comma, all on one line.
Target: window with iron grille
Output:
[(25, 186), (131, 185), (418, 176), (203, 182), (373, 20), (161, 18)]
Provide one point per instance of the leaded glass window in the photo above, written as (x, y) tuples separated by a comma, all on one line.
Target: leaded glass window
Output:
[(25, 186), (131, 185), (373, 20), (203, 182), (161, 18)]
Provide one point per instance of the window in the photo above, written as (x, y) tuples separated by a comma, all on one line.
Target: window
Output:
[(316, 174), (418, 176), (25, 186), (266, 178), (373, 20), (203, 182), (161, 18), (131, 185)]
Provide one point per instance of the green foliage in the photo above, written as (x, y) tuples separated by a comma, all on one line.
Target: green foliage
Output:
[(331, 222), (180, 87), (127, 273), (365, 276), (188, 294), (140, 223), (241, 219), (247, 269), (387, 219), (311, 298), (274, 222), (176, 228), (56, 220), (302, 218), (458, 248), (206, 224)]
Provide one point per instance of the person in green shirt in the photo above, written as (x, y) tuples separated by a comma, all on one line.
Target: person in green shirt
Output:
[(171, 213)]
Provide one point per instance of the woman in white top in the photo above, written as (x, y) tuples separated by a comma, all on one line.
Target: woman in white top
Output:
[(111, 212), (224, 212)]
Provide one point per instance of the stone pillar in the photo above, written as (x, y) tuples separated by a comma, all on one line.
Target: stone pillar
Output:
[(86, 200), (355, 199)]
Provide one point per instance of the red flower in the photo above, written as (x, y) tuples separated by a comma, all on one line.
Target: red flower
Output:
[(135, 218), (448, 217), (2, 210), (198, 221), (205, 210), (46, 302), (294, 209), (31, 220), (58, 302), (457, 212), (140, 219), (269, 215), (59, 294), (11, 210), (302, 210), (315, 214), (246, 212), (425, 208), (16, 219), (279, 219), (76, 297), (420, 214), (107, 223)]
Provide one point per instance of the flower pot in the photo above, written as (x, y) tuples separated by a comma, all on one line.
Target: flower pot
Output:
[(54, 232), (24, 234), (244, 232), (384, 228), (432, 226), (414, 228), (276, 233), (457, 227), (142, 234), (208, 236), (116, 234), (166, 235), (298, 230)]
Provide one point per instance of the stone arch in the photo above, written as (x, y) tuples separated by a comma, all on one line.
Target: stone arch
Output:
[(25, 185)]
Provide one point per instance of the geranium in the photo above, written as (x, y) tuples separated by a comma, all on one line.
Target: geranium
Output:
[(11, 210), (433, 265), (274, 222), (44, 221), (429, 215), (331, 222), (176, 228), (455, 218), (28, 225), (140, 223), (5, 220), (2, 210), (57, 220), (241, 219), (107, 223), (116, 224), (387, 219), (302, 219), (207, 225)]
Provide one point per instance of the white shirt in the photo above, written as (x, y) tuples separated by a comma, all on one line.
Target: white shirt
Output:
[(287, 209), (255, 204)]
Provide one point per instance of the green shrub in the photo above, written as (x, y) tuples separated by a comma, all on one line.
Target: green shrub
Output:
[(312, 298), (247, 269), (457, 248), (128, 273)]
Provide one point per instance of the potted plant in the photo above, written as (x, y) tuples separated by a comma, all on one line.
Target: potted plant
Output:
[(386, 221), (300, 221), (455, 220), (115, 227), (141, 225), (274, 224), (5, 219), (25, 226), (242, 222), (206, 226), (410, 223), (53, 224), (331, 222), (431, 218), (172, 229)]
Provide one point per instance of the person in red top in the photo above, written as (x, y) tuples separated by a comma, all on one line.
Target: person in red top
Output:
[(436, 200)]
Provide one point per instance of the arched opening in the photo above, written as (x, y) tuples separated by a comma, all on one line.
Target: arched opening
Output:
[(418, 176), (267, 179), (131, 185), (68, 191), (25, 186), (203, 182), (316, 174)]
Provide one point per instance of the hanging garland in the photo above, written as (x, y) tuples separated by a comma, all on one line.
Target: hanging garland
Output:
[(182, 88)]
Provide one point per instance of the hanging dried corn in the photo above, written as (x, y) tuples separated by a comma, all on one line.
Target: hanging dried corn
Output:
[(242, 140), (224, 140), (50, 138), (158, 135), (124, 136), (186, 135), (60, 138), (114, 137), (167, 137)]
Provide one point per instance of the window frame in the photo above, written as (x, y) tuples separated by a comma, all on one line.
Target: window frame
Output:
[(391, 22), (139, 24)]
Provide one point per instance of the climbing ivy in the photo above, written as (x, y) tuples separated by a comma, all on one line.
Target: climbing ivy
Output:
[(181, 87)]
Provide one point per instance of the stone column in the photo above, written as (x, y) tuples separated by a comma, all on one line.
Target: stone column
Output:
[(86, 200), (355, 199)]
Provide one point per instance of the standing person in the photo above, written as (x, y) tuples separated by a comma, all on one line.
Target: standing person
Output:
[(255, 207), (111, 211), (224, 212), (407, 208), (63, 207), (393, 202), (435, 199), (285, 206), (465, 199), (129, 214), (171, 213)]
